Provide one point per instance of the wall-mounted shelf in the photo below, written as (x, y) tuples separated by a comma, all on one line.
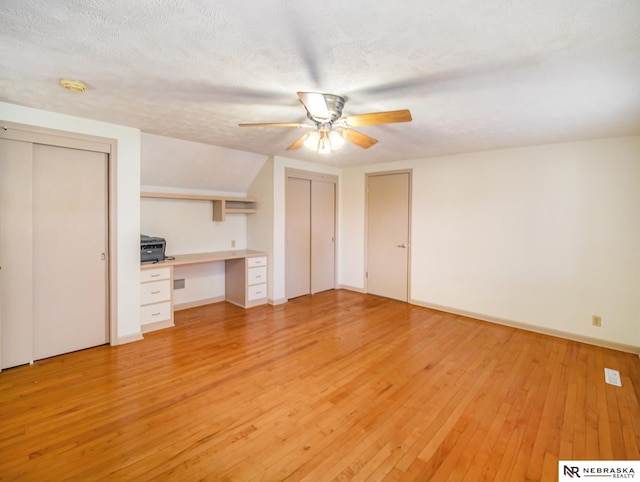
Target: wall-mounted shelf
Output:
[(222, 205)]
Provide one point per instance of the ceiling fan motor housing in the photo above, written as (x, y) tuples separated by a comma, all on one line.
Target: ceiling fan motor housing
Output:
[(335, 103)]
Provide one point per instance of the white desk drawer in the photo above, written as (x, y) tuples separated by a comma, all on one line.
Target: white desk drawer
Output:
[(155, 274), (256, 292), (156, 312), (257, 275), (256, 261), (155, 292)]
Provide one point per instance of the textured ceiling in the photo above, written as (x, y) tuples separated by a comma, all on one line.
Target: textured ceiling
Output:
[(475, 75)]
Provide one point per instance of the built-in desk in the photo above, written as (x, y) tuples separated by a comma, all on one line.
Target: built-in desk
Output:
[(245, 283)]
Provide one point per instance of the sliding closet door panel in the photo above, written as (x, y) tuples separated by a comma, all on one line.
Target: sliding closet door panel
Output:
[(70, 246), (322, 236), (16, 234), (298, 237)]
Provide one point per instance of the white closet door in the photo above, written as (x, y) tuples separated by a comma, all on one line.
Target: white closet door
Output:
[(323, 198), (69, 250), (298, 237), (16, 234)]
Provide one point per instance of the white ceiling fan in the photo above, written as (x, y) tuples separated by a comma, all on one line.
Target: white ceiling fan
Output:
[(330, 129)]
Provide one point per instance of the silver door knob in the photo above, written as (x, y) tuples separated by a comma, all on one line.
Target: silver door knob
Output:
[(403, 245)]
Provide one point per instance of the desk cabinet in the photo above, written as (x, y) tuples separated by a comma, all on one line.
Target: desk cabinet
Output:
[(246, 281), (156, 310)]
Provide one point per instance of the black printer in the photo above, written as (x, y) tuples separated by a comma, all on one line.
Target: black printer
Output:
[(151, 248)]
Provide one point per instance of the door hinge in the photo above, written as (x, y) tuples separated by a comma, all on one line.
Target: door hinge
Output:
[(366, 274)]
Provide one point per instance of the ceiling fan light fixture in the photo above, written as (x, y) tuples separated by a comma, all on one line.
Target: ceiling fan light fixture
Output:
[(337, 141), (324, 144), (311, 142), (324, 141)]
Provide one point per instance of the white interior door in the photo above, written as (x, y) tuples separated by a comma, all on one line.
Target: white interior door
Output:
[(69, 250), (323, 198), (298, 237), (388, 235)]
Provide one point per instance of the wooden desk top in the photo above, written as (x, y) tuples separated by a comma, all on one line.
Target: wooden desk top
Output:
[(196, 258)]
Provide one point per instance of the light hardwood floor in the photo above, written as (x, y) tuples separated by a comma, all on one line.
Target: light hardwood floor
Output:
[(334, 386)]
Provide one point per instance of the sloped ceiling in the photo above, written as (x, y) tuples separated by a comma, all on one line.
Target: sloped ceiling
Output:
[(175, 163), (475, 75)]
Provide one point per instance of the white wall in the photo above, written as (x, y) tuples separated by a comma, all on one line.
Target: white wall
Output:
[(128, 205), (545, 236), (351, 229), (188, 226)]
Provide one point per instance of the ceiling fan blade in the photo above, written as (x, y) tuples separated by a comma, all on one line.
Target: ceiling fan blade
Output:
[(358, 138), (374, 118), (315, 104), (298, 143), (275, 124)]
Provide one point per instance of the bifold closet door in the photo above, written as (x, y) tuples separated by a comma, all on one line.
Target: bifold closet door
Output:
[(53, 246)]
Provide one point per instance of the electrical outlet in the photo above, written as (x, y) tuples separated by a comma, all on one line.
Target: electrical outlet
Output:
[(233, 243), (596, 320)]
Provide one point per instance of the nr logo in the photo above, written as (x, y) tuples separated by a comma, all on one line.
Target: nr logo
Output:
[(571, 471)]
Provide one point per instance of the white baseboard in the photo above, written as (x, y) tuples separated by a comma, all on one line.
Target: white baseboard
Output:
[(123, 340), (159, 325), (280, 301), (193, 304), (536, 329), (351, 288)]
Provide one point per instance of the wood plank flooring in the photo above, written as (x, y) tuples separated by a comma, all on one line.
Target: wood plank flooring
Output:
[(335, 386)]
